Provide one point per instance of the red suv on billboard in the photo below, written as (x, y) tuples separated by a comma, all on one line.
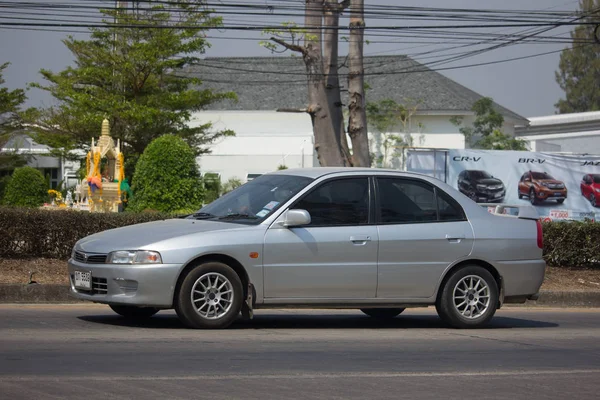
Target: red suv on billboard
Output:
[(540, 186), (590, 188)]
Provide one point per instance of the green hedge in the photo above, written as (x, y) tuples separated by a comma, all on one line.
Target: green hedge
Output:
[(572, 244), (28, 233)]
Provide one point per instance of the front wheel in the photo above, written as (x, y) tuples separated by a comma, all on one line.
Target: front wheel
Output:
[(134, 312), (210, 296), (469, 298), (593, 201), (560, 201), (382, 313), (532, 197)]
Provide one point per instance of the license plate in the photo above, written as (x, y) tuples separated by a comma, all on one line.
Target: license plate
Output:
[(83, 280), (498, 195), (557, 194)]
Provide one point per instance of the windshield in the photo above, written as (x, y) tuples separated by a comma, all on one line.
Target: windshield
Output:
[(255, 200), (596, 178), (541, 175), (479, 175)]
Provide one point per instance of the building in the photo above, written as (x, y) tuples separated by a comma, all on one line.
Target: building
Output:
[(266, 87), (577, 133)]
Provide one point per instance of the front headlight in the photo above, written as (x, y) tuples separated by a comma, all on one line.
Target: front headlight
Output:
[(544, 184), (482, 187), (134, 257), (597, 190)]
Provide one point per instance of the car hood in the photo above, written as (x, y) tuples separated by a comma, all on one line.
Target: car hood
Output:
[(553, 181), (489, 181), (134, 237)]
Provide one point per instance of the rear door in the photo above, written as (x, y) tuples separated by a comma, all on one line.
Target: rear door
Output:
[(422, 230)]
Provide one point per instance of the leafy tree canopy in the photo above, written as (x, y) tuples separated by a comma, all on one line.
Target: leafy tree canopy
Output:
[(132, 73), (579, 68), (26, 188), (166, 178), (10, 103)]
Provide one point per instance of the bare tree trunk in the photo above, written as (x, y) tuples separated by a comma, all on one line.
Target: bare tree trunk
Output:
[(330, 64), (357, 123), (327, 142)]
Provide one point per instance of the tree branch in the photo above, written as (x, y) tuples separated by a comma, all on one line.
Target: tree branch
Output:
[(292, 47)]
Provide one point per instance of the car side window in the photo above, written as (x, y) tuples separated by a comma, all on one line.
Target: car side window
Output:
[(449, 209), (338, 202), (405, 201)]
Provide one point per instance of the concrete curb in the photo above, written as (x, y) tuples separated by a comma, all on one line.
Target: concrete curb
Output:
[(35, 293), (42, 293)]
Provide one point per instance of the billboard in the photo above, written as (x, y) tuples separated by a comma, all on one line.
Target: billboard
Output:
[(559, 186)]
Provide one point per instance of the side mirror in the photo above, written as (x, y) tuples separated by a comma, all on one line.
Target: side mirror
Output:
[(296, 217)]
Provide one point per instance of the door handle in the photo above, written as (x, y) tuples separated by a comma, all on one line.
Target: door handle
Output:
[(360, 240), (455, 238)]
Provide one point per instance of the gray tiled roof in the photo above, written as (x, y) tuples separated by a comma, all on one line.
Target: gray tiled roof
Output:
[(269, 83)]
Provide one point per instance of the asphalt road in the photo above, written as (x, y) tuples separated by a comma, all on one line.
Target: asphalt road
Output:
[(86, 351)]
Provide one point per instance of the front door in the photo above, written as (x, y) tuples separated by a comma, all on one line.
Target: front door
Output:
[(421, 232), (335, 256)]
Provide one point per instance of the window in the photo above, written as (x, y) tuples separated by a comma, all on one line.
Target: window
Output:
[(541, 175), (403, 200), (596, 179), (338, 202), (412, 201), (449, 209)]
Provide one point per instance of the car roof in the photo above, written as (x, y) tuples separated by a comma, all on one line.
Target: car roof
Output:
[(318, 172)]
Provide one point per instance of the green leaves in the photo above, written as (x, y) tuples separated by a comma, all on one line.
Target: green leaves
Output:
[(579, 67), (134, 77), (166, 178), (26, 188)]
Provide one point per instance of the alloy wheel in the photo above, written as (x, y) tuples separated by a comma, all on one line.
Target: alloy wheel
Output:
[(471, 296), (212, 295)]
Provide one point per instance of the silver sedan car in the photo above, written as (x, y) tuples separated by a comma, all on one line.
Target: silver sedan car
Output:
[(377, 240)]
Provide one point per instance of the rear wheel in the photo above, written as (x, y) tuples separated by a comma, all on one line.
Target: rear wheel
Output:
[(382, 313), (469, 298), (134, 312), (210, 296)]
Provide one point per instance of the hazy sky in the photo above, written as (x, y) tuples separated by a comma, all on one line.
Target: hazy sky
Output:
[(526, 86)]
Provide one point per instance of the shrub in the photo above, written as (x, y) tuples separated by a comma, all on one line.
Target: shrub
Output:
[(572, 244), (3, 184), (27, 188), (232, 183), (166, 178), (28, 233)]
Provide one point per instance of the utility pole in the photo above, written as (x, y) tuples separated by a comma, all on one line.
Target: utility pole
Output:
[(357, 121)]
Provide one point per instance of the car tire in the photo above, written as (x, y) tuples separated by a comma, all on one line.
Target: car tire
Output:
[(560, 201), (478, 287), (532, 197), (134, 312), (382, 313), (472, 195), (593, 201), (210, 297)]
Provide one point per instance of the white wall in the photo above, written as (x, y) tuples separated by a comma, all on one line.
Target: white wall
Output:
[(266, 139)]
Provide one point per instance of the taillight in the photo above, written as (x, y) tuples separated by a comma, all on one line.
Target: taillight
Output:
[(540, 234)]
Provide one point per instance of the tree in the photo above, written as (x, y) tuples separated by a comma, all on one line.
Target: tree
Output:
[(166, 178), (500, 141), (320, 55), (231, 184), (579, 67), (126, 72), (27, 188), (487, 122), (385, 117), (10, 103)]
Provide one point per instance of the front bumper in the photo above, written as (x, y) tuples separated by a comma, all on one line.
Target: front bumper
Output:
[(548, 194), (139, 285), (488, 197)]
